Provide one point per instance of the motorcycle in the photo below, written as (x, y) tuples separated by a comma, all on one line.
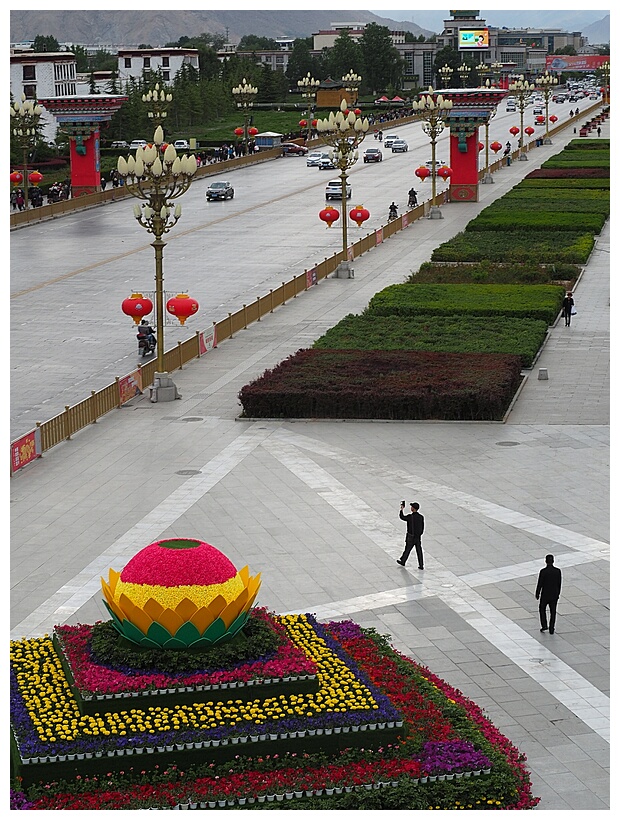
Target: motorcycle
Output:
[(393, 214), (146, 344), (413, 200)]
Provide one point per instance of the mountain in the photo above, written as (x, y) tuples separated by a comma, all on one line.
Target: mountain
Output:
[(597, 33), (156, 28)]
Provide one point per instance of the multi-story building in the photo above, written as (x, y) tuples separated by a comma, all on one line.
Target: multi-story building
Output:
[(166, 62)]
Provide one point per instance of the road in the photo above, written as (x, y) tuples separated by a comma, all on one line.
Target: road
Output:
[(70, 275)]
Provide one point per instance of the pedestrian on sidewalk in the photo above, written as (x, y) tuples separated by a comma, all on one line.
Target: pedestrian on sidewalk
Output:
[(415, 528), (568, 306), (548, 592)]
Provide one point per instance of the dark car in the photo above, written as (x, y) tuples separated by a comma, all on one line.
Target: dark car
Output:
[(220, 190), (373, 155), (294, 149)]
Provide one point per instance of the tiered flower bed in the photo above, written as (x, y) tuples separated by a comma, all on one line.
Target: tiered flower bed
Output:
[(380, 732)]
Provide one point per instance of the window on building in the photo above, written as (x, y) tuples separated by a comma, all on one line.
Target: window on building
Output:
[(127, 62), (147, 62), (29, 72), (427, 68), (165, 61), (165, 75), (30, 92)]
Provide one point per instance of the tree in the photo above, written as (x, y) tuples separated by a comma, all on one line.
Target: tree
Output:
[(383, 65), (570, 50), (346, 55), (250, 42), (45, 44), (300, 62), (82, 61), (447, 56)]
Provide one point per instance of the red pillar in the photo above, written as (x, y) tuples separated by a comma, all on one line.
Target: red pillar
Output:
[(464, 164), (85, 164)]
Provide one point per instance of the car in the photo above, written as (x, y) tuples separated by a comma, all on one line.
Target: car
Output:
[(326, 164), (135, 144), (182, 145), (399, 146), (373, 155), (333, 190), (510, 109), (313, 159), (389, 139), (293, 149), (538, 111), (438, 164), (120, 144), (220, 190)]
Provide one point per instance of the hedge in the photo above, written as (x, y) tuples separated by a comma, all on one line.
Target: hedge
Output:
[(581, 164), (574, 173), (488, 273), (518, 246), (525, 301), (518, 220), (587, 145), (379, 384), (444, 334), (555, 182)]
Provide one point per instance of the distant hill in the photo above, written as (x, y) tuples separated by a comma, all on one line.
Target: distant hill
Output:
[(156, 28), (598, 33)]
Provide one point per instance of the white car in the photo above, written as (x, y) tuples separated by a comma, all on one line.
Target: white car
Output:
[(389, 139), (313, 159), (135, 144), (333, 189), (399, 146), (181, 145)]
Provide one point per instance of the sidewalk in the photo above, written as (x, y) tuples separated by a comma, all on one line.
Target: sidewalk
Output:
[(314, 506)]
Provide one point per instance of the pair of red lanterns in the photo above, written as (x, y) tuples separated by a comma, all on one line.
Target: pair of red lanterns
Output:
[(34, 178), (252, 131), (138, 306), (359, 215), (423, 172)]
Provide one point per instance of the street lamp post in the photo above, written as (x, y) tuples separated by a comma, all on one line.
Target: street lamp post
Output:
[(488, 176), (445, 72), (244, 94), (352, 82), (545, 85), (25, 117), (522, 90), (604, 69), (158, 177), (343, 133), (158, 101), (464, 70), (309, 86), (483, 69), (496, 68), (432, 110)]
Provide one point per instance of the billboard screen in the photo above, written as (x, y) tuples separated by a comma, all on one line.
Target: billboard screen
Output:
[(566, 62), (473, 38)]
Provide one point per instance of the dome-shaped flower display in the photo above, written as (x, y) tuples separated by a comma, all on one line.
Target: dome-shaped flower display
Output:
[(178, 593)]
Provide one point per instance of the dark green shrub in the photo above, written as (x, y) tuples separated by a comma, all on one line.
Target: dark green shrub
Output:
[(519, 220), (578, 184), (540, 247), (488, 273)]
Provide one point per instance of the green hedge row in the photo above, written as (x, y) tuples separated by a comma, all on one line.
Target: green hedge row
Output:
[(556, 183), (380, 384), (551, 205), (443, 334), (570, 164), (520, 220), (488, 273), (545, 247), (554, 195), (587, 145)]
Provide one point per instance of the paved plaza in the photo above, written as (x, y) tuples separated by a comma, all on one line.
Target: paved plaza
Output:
[(314, 505)]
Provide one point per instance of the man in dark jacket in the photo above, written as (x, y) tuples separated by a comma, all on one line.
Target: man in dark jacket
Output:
[(548, 592), (415, 528)]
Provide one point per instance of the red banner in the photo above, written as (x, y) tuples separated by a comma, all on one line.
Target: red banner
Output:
[(130, 386), (311, 278), (25, 450), (378, 236), (566, 62), (207, 341)]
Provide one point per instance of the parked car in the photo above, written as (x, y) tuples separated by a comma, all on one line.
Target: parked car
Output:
[(538, 111), (120, 144), (388, 139), (135, 144), (399, 146), (181, 145), (313, 159), (293, 149), (220, 190), (326, 164), (373, 155), (333, 189)]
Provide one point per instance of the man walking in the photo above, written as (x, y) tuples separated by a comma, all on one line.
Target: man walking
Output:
[(548, 592), (415, 528)]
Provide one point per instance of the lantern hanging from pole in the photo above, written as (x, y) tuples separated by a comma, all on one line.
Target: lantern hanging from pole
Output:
[(540, 119), (495, 146), (481, 146), (359, 215), (314, 122), (358, 112), (137, 306), (422, 173), (553, 118), (514, 130), (239, 132), (182, 306), (303, 123), (329, 215), (16, 178), (445, 172), (529, 130), (35, 177), (252, 131)]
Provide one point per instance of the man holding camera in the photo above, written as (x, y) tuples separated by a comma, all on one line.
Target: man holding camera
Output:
[(415, 528)]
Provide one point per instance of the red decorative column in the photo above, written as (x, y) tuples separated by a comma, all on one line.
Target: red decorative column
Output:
[(464, 164), (82, 118)]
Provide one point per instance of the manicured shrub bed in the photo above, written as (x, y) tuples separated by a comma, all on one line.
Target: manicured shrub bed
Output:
[(518, 246), (378, 384), (577, 163), (525, 301), (568, 173), (587, 145), (518, 220), (449, 755), (444, 334), (589, 200), (489, 273)]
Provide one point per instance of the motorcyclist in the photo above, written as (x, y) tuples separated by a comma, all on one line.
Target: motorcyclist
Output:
[(393, 211), (413, 198), (380, 136), (145, 331)]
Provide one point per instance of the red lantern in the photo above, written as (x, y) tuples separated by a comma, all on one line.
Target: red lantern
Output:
[(553, 118), (358, 112), (359, 215), (182, 306), (16, 178), (444, 172), (529, 130), (252, 131), (137, 306), (314, 122), (303, 123), (495, 146), (329, 214), (540, 119), (35, 177), (239, 132), (514, 130), (422, 173), (481, 146)]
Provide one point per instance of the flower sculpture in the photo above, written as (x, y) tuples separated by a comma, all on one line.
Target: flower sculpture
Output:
[(179, 593)]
